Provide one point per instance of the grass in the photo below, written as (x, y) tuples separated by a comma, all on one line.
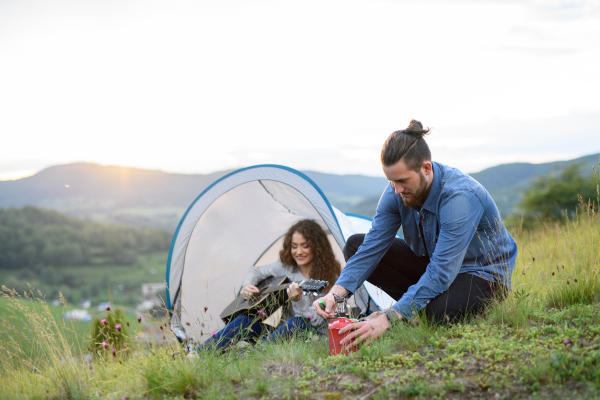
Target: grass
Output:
[(542, 341)]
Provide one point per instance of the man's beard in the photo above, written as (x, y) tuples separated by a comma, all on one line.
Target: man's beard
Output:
[(417, 199)]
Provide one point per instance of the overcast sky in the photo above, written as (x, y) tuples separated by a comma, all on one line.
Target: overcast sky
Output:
[(200, 86)]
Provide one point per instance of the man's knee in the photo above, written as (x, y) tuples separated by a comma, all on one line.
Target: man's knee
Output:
[(352, 245)]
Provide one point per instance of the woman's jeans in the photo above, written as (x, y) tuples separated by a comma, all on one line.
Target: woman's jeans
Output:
[(249, 329)]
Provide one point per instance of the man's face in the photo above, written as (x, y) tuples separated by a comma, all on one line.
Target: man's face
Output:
[(413, 186)]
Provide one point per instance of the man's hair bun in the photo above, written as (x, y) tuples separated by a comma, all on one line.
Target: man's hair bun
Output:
[(415, 128), (407, 144)]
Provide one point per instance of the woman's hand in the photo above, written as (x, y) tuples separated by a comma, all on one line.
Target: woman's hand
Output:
[(294, 292), (249, 290)]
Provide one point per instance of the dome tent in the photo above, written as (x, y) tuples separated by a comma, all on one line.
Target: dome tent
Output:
[(237, 222)]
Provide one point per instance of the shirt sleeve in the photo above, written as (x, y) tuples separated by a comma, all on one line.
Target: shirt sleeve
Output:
[(257, 274), (383, 230), (459, 215)]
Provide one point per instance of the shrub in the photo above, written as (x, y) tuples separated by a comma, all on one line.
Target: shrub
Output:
[(110, 336)]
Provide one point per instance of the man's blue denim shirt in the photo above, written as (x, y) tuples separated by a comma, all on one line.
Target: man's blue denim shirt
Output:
[(463, 234)]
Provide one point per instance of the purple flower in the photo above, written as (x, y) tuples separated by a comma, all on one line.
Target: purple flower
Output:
[(566, 341), (114, 351), (139, 319), (104, 321), (262, 313), (118, 327), (101, 390), (107, 308), (308, 317), (213, 333), (104, 344)]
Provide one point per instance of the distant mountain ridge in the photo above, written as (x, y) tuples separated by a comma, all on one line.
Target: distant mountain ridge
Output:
[(141, 197), (504, 182)]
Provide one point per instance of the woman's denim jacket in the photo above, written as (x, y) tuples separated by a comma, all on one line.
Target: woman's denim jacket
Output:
[(463, 234)]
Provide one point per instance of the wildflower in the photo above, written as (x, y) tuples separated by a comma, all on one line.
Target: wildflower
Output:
[(139, 319), (127, 323), (107, 308), (308, 317), (101, 390), (262, 313), (161, 327), (187, 323), (575, 279), (566, 341), (568, 283), (104, 344), (104, 321), (114, 351), (553, 274), (213, 333), (118, 327), (205, 309)]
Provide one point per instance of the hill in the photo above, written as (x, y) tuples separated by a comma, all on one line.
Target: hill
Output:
[(79, 258), (131, 196), (140, 197), (504, 182)]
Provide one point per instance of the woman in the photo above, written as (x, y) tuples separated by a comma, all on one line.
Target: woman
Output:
[(306, 254)]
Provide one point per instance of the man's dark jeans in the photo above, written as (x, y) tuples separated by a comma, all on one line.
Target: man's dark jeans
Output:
[(400, 268)]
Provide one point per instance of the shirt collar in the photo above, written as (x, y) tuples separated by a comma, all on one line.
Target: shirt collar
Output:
[(436, 189)]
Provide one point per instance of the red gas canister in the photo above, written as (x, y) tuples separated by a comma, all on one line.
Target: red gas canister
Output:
[(334, 335)]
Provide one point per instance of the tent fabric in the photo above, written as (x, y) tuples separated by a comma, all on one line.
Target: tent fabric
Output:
[(238, 222)]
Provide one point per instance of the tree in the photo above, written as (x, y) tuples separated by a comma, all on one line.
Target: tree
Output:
[(551, 195)]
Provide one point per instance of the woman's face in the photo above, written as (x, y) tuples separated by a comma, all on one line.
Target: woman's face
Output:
[(301, 251)]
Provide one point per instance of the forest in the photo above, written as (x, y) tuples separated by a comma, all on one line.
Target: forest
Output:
[(77, 257)]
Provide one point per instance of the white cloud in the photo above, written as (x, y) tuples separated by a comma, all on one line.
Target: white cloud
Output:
[(199, 86)]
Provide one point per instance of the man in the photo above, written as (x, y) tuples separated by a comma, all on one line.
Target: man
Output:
[(456, 254)]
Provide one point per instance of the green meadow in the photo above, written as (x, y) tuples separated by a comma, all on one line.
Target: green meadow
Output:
[(541, 342)]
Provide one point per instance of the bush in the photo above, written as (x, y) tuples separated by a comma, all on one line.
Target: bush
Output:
[(551, 195), (110, 336)]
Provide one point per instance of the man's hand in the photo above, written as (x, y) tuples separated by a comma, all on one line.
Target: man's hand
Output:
[(249, 290), (366, 331), (329, 301), (294, 292)]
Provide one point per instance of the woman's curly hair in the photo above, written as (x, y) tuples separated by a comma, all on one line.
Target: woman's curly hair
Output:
[(325, 266)]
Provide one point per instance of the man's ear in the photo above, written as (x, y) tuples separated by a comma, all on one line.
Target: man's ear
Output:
[(427, 167)]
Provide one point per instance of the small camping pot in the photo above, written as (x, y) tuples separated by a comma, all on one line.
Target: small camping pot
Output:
[(334, 336)]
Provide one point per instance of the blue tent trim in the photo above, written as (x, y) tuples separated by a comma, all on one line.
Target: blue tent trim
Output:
[(294, 171)]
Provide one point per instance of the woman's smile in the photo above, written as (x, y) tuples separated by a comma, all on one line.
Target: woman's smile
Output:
[(301, 250)]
